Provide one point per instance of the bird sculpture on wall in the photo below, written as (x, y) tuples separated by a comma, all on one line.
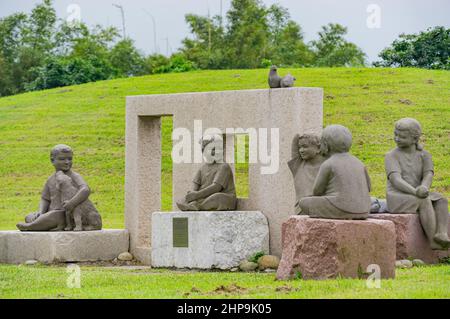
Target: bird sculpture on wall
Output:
[(275, 81)]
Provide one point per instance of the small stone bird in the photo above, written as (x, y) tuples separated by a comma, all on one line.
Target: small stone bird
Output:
[(275, 81), (274, 78), (287, 81)]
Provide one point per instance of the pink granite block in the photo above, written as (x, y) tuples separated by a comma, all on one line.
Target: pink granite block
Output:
[(326, 248), (411, 239)]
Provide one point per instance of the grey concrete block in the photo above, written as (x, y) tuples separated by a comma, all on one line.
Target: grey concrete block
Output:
[(215, 239), (47, 247)]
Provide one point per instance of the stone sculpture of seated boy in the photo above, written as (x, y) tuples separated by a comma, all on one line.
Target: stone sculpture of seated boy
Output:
[(409, 170), (51, 215), (304, 165), (213, 184), (342, 186)]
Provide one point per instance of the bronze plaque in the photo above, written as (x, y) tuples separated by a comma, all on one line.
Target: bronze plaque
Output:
[(180, 232)]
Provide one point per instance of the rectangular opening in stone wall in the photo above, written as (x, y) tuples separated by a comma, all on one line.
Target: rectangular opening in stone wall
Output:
[(166, 163), (241, 164)]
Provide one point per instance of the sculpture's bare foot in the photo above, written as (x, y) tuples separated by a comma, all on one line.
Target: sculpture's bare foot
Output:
[(442, 240), (78, 229), (22, 226), (187, 207), (183, 206), (68, 228)]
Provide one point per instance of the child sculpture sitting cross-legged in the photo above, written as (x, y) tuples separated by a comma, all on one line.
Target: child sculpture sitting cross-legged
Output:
[(409, 170), (342, 186), (213, 184)]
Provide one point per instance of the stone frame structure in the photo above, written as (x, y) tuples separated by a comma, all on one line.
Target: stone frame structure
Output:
[(292, 110)]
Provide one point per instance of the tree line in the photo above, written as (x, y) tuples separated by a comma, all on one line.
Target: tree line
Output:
[(40, 51)]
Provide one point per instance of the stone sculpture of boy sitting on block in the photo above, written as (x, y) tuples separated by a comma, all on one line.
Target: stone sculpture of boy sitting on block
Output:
[(409, 170), (304, 165), (342, 186), (213, 184), (54, 204)]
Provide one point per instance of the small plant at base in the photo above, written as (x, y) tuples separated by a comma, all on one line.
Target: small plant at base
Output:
[(298, 275), (361, 273), (254, 258)]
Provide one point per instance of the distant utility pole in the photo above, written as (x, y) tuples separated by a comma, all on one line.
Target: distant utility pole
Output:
[(167, 45), (209, 29), (221, 13), (154, 31), (123, 19)]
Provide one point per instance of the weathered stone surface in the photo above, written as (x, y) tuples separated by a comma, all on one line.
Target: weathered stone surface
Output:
[(31, 262), (215, 239), (418, 262), (125, 256), (292, 110), (268, 262), (248, 266), (325, 248), (47, 247), (407, 263), (411, 239)]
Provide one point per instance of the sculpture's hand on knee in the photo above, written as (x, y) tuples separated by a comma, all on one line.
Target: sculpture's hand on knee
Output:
[(422, 192)]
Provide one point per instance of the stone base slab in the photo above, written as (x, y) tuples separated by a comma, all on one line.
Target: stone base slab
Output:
[(326, 248), (143, 255), (219, 239), (49, 247), (411, 239)]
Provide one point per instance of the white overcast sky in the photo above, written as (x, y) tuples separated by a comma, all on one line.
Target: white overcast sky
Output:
[(396, 16)]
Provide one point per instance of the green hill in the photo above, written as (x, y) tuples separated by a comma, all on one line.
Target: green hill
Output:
[(91, 118)]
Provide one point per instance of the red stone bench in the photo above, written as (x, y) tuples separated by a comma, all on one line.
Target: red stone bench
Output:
[(411, 239), (326, 248)]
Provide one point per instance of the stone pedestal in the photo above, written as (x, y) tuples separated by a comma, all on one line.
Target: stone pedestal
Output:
[(207, 240), (411, 239), (48, 247), (325, 248)]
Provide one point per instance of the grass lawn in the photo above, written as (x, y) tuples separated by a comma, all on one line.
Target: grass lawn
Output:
[(50, 282), (91, 118)]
